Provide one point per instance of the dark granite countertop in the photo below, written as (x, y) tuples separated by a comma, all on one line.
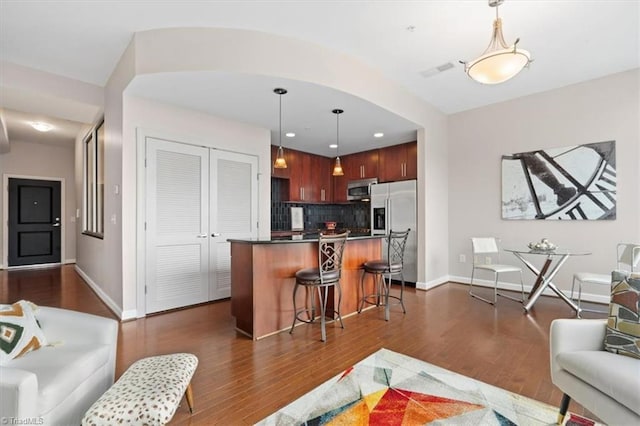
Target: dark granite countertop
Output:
[(300, 237)]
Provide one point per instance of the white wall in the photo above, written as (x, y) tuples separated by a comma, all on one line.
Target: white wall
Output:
[(599, 110), (44, 161), (99, 261), (182, 125)]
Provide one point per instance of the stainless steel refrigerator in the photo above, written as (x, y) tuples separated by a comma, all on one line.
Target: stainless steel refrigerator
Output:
[(393, 207)]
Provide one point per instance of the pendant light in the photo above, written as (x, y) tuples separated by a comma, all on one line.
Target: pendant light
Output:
[(280, 162), (499, 62), (337, 169)]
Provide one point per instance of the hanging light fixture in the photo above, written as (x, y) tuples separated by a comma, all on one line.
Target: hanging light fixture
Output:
[(280, 162), (337, 169), (499, 62)]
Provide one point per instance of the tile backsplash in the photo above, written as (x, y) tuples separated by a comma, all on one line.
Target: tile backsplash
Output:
[(351, 215)]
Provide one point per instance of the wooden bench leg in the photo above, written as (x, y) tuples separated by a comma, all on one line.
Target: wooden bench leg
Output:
[(189, 396)]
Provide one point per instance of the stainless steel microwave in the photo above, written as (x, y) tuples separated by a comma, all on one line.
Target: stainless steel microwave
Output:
[(360, 189)]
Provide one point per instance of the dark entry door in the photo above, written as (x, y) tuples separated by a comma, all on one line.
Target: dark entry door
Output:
[(34, 222)]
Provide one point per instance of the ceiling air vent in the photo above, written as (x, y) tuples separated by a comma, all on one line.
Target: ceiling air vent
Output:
[(436, 70)]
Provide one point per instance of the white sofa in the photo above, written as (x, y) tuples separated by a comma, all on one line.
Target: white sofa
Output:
[(605, 383), (58, 383)]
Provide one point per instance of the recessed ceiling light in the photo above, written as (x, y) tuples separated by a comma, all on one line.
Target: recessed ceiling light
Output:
[(289, 134), (41, 126), (333, 145), (378, 135)]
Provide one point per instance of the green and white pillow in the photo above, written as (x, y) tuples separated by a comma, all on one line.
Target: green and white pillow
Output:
[(623, 327), (19, 331)]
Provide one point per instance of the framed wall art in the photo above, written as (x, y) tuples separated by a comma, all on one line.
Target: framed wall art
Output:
[(570, 183)]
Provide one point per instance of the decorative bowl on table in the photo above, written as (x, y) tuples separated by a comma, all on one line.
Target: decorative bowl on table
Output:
[(543, 245), (331, 226)]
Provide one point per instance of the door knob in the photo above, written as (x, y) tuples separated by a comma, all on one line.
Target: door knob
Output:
[(215, 234), (57, 222), (202, 236)]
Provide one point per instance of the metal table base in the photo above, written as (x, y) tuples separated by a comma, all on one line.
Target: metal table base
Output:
[(545, 277)]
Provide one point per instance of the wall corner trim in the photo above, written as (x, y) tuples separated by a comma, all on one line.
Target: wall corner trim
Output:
[(432, 284), (113, 306)]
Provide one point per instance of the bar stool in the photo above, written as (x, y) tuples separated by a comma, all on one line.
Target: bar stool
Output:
[(381, 268), (321, 279)]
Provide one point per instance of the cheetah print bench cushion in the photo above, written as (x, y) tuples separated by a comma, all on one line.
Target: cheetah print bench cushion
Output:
[(148, 393)]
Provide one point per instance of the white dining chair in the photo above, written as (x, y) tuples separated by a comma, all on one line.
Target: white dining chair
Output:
[(628, 258), (487, 248)]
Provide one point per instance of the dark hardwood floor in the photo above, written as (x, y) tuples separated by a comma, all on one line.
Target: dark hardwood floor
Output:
[(239, 381)]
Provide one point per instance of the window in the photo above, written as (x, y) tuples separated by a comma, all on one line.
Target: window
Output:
[(93, 181)]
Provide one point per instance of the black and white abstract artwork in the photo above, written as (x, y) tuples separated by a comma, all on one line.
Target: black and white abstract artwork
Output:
[(570, 183)]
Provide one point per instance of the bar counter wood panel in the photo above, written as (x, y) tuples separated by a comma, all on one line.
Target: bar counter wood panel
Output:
[(263, 277)]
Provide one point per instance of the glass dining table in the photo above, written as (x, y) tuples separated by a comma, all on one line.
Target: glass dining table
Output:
[(545, 275)]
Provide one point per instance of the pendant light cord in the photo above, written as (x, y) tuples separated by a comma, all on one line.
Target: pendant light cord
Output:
[(338, 135), (280, 125)]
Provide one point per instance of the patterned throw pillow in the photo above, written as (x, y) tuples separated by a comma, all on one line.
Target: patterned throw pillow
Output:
[(623, 328), (19, 331)]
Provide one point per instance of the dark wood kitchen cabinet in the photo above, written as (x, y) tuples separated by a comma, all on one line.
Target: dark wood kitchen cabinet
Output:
[(321, 178), (340, 182), (361, 165), (299, 175), (398, 162), (309, 175)]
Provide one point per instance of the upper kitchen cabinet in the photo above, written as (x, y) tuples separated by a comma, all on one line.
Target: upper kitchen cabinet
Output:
[(321, 179), (398, 162), (363, 165), (309, 176), (299, 174), (340, 182)]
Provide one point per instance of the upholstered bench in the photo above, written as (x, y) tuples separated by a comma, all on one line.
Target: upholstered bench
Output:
[(149, 392)]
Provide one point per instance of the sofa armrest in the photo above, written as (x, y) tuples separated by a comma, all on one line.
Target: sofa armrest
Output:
[(63, 326), (18, 392), (570, 335), (66, 326)]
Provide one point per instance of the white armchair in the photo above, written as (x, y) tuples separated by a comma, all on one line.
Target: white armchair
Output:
[(59, 382), (605, 383)]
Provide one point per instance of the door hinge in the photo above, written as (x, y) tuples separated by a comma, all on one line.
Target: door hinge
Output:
[(145, 162), (145, 289), (145, 226)]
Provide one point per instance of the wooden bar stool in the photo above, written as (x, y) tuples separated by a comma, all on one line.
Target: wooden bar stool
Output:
[(321, 279)]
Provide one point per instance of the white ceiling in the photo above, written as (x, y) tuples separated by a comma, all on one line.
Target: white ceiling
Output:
[(570, 41)]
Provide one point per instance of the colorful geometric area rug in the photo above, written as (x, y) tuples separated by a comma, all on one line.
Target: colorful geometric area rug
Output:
[(388, 388)]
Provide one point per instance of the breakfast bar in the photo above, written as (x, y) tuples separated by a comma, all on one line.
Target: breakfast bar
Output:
[(263, 277)]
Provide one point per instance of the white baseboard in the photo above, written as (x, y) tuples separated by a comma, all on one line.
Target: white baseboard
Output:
[(66, 262), (432, 284), (113, 306), (586, 297)]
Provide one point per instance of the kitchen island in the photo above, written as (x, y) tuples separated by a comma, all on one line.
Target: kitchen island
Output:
[(263, 276)]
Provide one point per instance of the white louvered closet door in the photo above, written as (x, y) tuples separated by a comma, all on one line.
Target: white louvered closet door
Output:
[(177, 219), (234, 212)]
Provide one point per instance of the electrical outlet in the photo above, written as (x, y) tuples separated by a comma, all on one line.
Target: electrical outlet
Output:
[(462, 258), (487, 260)]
